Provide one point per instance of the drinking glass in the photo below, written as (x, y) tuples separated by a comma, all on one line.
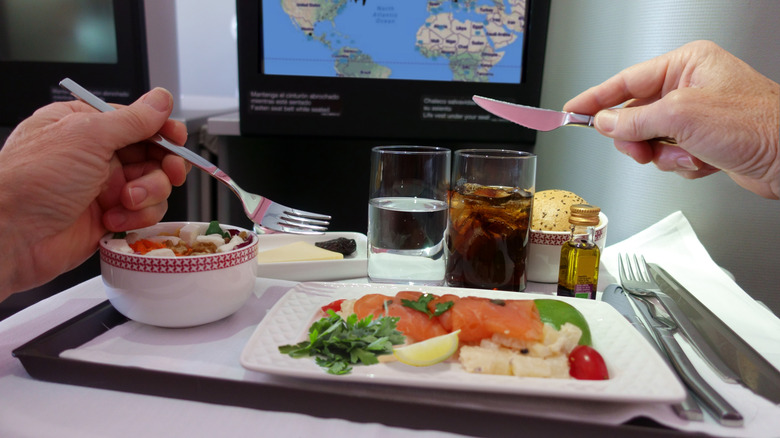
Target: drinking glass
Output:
[(407, 214), (489, 218)]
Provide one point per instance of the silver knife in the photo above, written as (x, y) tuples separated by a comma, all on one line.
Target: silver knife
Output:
[(530, 117), (692, 334), (753, 369), (720, 408), (614, 295), (540, 119)]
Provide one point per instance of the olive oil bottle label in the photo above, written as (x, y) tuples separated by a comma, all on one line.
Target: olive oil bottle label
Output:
[(585, 291)]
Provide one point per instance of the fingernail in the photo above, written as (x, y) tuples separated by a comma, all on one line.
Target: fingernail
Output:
[(137, 195), (686, 163), (158, 99), (606, 120)]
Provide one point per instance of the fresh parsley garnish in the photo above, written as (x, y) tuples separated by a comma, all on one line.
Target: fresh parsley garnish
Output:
[(337, 344), (422, 305)]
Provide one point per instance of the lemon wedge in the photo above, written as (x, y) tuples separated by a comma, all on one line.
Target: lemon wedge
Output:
[(428, 352)]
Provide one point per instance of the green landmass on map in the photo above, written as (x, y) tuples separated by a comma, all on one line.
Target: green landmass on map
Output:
[(353, 63)]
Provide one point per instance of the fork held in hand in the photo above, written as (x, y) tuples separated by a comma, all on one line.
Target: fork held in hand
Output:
[(641, 286), (259, 209)]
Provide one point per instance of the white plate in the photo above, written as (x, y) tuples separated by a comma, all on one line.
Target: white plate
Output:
[(637, 373), (352, 266)]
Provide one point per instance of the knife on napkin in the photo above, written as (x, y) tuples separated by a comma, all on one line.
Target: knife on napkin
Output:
[(540, 119), (754, 370), (614, 295)]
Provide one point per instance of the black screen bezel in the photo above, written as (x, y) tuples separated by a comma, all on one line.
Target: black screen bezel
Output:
[(26, 86), (386, 108)]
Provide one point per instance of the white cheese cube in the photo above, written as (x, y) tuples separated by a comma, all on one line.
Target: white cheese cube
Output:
[(119, 245), (486, 360), (216, 239), (190, 232), (234, 241), (552, 367), (161, 252)]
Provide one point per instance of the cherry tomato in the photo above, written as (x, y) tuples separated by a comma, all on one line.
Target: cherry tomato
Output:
[(334, 306), (585, 363)]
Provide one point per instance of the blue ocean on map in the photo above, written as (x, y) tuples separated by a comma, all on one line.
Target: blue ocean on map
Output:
[(385, 30)]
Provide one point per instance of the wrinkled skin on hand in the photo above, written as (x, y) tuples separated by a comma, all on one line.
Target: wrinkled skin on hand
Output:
[(71, 174), (723, 114)]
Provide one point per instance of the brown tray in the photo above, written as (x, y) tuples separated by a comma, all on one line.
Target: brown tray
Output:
[(41, 358)]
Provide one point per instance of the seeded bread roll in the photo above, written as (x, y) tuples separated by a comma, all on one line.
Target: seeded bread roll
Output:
[(551, 209)]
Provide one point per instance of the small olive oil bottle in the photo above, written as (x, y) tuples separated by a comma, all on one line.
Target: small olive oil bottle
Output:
[(578, 275)]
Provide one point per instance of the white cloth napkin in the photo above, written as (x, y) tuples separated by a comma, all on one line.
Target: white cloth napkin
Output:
[(213, 350)]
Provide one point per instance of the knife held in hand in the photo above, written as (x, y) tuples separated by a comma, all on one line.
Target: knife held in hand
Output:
[(540, 119)]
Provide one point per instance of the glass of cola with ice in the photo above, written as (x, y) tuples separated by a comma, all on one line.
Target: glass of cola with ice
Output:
[(489, 218)]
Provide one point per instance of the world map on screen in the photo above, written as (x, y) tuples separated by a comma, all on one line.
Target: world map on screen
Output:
[(465, 40)]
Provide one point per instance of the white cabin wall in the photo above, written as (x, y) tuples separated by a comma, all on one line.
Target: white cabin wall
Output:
[(589, 41)]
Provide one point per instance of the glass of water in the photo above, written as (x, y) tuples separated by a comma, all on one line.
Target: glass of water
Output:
[(407, 214)]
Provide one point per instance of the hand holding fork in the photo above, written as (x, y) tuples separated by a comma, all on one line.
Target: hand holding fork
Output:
[(259, 209)]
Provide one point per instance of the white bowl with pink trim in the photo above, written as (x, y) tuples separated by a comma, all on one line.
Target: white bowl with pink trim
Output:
[(178, 291), (544, 251)]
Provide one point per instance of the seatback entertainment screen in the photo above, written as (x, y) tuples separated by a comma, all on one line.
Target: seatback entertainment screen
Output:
[(346, 67)]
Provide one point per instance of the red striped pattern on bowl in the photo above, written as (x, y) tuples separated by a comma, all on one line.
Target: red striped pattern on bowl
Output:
[(176, 265)]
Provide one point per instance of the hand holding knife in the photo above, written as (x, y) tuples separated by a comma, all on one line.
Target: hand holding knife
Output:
[(541, 119)]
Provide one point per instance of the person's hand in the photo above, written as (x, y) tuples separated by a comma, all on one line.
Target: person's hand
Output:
[(71, 174), (723, 114)]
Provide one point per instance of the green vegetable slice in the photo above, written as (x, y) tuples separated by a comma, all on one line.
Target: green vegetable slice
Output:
[(557, 313), (214, 228), (336, 344)]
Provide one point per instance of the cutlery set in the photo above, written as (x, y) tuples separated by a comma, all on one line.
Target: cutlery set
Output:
[(665, 319)]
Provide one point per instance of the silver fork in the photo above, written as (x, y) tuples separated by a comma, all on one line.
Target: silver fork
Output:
[(260, 210), (641, 285)]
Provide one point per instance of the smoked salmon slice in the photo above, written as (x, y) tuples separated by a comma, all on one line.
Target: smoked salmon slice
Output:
[(412, 323), (371, 304), (445, 318), (477, 318)]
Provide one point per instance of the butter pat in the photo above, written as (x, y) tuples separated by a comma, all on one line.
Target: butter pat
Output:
[(297, 252)]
